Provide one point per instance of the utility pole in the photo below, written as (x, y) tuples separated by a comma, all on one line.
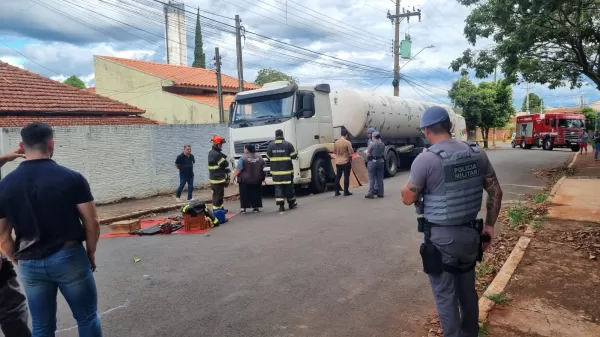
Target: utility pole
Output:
[(396, 21), (238, 47), (217, 60), (527, 98)]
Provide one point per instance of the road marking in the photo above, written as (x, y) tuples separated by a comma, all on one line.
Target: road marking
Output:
[(527, 186), (122, 306)]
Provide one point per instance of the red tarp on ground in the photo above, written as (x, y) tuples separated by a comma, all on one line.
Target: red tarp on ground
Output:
[(151, 222)]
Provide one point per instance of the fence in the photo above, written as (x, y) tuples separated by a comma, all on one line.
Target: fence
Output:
[(127, 161)]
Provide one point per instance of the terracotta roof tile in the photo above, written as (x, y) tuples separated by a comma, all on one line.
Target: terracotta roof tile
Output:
[(181, 75), (91, 90), (24, 91), (211, 99), (21, 121)]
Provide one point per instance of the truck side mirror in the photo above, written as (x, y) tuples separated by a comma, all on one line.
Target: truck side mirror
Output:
[(231, 105)]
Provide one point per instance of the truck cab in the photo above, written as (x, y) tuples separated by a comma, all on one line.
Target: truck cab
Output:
[(304, 115)]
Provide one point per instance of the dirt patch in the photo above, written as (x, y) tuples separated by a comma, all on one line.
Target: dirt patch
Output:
[(555, 291)]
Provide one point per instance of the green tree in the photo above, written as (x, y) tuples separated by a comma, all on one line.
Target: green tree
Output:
[(535, 103), (590, 116), (199, 56), (272, 75), (74, 81), (488, 105), (554, 42)]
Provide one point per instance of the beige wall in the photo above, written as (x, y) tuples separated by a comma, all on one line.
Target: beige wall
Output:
[(144, 91)]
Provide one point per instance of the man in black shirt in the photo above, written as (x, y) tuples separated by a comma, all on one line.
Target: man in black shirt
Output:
[(185, 164), (52, 211), (13, 305)]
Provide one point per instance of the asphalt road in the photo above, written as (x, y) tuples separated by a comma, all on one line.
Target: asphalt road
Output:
[(336, 266)]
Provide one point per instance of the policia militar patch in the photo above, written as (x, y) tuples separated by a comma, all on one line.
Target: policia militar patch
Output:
[(463, 171)]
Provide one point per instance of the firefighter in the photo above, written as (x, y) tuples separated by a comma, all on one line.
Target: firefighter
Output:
[(280, 153), (218, 169)]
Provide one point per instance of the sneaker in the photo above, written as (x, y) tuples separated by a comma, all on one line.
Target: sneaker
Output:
[(178, 199), (243, 211), (369, 196), (255, 210), (379, 196)]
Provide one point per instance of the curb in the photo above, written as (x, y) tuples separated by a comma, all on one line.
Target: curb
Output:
[(503, 277), (158, 209)]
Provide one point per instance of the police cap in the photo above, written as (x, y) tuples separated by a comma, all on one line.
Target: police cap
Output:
[(434, 115)]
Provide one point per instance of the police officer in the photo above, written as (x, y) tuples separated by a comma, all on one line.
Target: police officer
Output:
[(375, 166), (13, 305), (218, 169), (370, 132), (450, 177), (280, 153)]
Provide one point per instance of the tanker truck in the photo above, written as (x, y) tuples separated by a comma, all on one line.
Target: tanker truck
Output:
[(312, 118)]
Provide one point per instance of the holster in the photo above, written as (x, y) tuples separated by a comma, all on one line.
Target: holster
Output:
[(432, 259), (7, 271)]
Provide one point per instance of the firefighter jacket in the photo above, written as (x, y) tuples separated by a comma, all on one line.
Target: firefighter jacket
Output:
[(458, 200), (217, 166), (280, 153)]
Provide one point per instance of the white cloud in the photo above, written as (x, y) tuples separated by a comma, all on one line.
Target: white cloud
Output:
[(12, 60), (357, 31)]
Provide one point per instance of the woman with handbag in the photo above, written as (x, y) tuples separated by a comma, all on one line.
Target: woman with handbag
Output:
[(250, 175)]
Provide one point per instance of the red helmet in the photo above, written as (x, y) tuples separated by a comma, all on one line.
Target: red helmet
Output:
[(216, 140)]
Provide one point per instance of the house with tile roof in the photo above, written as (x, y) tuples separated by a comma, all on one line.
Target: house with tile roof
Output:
[(168, 93), (26, 97)]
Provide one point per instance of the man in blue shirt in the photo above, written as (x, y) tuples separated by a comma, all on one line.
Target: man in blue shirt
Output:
[(52, 211), (185, 164)]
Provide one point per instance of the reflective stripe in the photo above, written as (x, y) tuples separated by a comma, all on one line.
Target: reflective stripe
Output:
[(217, 181), (220, 161), (281, 173), (278, 141), (293, 154), (281, 182), (280, 159), (212, 168), (279, 199)]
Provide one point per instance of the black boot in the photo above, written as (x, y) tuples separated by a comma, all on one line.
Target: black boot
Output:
[(347, 193), (369, 196), (293, 205), (337, 193), (281, 208)]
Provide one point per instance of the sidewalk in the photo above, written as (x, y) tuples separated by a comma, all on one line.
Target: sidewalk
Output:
[(555, 290), (138, 207)]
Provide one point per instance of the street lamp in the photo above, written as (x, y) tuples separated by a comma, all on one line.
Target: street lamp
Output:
[(412, 58)]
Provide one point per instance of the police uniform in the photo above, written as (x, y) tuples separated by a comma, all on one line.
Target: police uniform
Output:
[(218, 175), (452, 232), (370, 132), (280, 153), (375, 167)]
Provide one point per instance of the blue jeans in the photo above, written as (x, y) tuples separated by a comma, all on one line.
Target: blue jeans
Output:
[(70, 271), (190, 184), (596, 149)]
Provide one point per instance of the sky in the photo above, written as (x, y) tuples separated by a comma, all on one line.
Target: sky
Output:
[(346, 43)]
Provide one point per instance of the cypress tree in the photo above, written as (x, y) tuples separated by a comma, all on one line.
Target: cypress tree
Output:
[(199, 56)]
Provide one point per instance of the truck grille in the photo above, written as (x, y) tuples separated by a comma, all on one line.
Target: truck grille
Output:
[(258, 146)]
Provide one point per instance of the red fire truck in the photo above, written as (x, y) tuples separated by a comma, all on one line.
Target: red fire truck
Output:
[(549, 130)]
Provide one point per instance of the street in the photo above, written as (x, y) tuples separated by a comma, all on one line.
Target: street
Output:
[(336, 266)]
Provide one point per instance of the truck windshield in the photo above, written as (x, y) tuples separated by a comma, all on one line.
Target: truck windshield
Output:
[(571, 123), (265, 108)]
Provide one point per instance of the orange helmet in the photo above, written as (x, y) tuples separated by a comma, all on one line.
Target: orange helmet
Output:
[(216, 140)]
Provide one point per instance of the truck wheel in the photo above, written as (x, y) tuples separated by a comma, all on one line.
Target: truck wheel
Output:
[(575, 148), (391, 164), (319, 176), (548, 144)]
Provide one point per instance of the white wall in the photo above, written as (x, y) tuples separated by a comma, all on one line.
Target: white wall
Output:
[(127, 161)]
